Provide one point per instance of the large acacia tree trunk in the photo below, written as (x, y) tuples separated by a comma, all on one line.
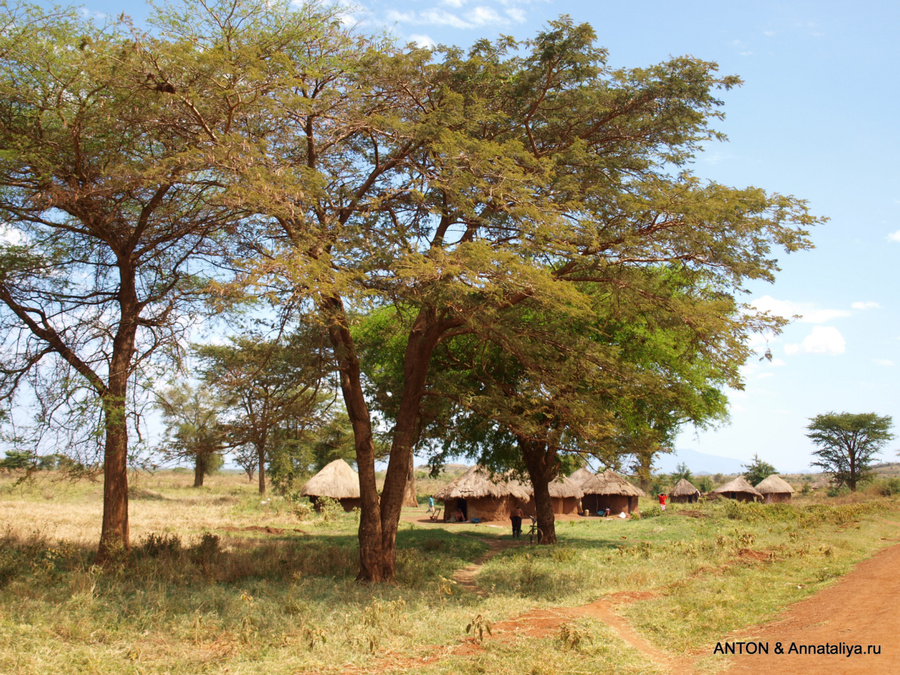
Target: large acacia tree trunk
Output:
[(261, 469), (542, 464), (372, 562), (410, 497), (199, 472), (380, 517), (423, 338), (114, 533)]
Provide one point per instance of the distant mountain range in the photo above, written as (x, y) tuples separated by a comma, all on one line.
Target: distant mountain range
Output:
[(699, 463)]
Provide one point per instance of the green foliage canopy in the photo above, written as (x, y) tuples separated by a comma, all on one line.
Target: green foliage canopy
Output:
[(757, 470), (847, 443)]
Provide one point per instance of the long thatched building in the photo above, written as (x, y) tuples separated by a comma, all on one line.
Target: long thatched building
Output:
[(564, 496), (478, 494), (739, 490), (336, 480), (775, 489), (612, 491), (684, 492)]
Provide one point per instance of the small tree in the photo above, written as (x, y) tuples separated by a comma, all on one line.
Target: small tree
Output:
[(757, 470), (847, 443), (681, 471), (192, 428)]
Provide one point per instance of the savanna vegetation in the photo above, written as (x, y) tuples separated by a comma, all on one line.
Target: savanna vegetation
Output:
[(222, 580), (545, 273)]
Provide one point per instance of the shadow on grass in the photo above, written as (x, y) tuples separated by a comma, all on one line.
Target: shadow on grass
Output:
[(423, 557)]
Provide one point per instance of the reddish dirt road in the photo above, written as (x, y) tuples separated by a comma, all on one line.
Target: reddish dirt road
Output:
[(861, 609)]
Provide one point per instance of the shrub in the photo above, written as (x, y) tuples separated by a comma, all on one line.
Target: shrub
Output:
[(161, 545)]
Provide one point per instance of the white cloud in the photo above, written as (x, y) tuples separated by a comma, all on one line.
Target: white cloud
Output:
[(865, 305), (476, 17), (422, 40), (822, 340), (483, 16), (516, 14), (894, 236), (806, 312), (883, 362)]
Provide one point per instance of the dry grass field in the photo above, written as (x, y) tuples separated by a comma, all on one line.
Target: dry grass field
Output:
[(219, 580)]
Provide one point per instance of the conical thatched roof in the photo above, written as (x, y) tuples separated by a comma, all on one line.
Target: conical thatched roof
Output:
[(477, 482), (739, 484), (337, 480), (684, 488), (583, 474), (560, 488), (610, 483), (774, 484)]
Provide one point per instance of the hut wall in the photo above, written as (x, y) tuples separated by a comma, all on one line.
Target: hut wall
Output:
[(616, 503), (348, 504), (778, 498), (564, 505), (484, 508), (684, 499), (739, 496)]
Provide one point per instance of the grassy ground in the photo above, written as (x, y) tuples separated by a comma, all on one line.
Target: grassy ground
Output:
[(219, 580)]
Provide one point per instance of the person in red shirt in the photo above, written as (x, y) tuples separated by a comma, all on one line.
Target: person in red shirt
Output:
[(662, 500)]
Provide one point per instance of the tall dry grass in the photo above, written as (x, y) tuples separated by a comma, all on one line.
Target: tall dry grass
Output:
[(220, 579)]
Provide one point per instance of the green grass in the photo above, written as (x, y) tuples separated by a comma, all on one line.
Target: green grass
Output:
[(219, 579)]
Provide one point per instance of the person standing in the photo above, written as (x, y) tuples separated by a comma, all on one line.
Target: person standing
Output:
[(516, 518), (663, 497)]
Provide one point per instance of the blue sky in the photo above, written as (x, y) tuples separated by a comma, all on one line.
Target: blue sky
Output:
[(815, 118)]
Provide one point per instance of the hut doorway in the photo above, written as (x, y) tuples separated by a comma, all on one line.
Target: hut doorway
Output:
[(463, 506)]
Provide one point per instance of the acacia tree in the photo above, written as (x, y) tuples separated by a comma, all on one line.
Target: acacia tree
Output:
[(757, 470), (556, 385), (193, 432), (271, 389), (111, 213), (456, 186), (847, 443)]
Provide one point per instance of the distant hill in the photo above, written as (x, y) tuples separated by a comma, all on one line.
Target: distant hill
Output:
[(698, 462)]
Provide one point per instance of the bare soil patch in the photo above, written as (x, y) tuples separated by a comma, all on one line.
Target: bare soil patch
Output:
[(860, 609)]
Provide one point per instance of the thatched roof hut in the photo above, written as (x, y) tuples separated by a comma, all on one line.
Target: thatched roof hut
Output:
[(336, 480), (564, 496), (612, 491), (775, 489), (738, 489), (480, 495), (684, 491), (581, 475)]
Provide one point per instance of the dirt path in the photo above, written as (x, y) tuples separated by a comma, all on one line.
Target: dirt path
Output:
[(466, 577), (860, 609)]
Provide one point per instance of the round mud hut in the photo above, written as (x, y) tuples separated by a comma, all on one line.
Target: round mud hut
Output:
[(336, 480), (564, 496), (478, 494), (609, 490), (684, 492), (739, 490), (775, 490)]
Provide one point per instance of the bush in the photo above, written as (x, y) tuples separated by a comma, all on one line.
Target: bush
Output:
[(161, 545), (886, 487)]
